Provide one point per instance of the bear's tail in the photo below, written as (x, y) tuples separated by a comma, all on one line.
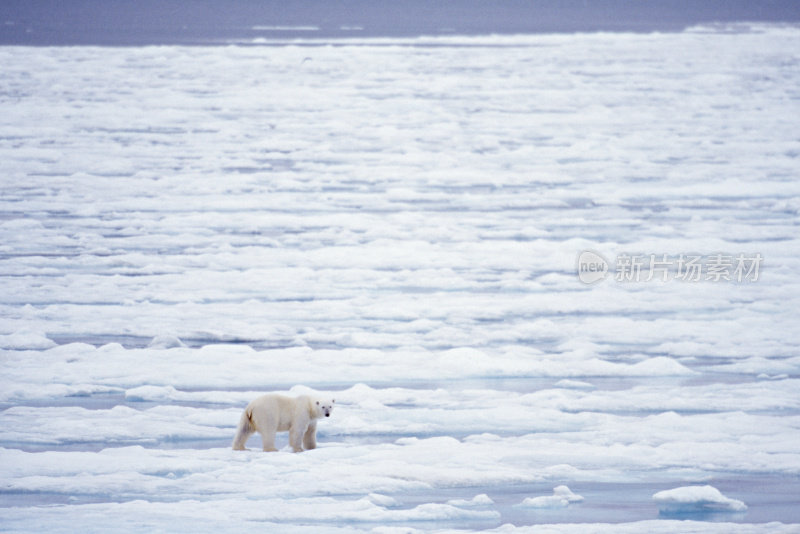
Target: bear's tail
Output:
[(244, 431)]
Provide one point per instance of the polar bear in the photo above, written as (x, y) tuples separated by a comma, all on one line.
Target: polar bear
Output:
[(273, 413)]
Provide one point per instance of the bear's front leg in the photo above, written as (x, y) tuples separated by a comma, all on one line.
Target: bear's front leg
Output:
[(310, 437), (296, 433)]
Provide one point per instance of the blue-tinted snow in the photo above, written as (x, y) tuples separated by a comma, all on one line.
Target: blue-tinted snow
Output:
[(397, 221)]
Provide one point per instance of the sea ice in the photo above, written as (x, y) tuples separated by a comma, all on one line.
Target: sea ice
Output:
[(695, 499), (25, 340), (562, 497), (396, 222)]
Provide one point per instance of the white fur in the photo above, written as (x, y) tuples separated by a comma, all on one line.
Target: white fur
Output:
[(273, 413)]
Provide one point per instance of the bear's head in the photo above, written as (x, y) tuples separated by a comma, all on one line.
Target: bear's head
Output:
[(325, 407)]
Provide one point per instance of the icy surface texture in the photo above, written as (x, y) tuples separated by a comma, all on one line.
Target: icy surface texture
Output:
[(397, 222), (692, 499)]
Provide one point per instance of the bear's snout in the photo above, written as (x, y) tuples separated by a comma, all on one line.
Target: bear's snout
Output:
[(327, 414)]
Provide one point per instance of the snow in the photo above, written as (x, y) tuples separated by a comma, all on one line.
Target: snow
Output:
[(395, 223), (21, 340), (561, 498), (696, 498)]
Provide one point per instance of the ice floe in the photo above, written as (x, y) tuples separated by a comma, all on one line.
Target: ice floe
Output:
[(562, 497), (696, 499)]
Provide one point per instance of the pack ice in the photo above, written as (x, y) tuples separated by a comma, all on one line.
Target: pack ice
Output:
[(396, 223)]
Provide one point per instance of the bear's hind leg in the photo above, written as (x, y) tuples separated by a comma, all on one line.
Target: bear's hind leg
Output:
[(268, 439), (243, 432)]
